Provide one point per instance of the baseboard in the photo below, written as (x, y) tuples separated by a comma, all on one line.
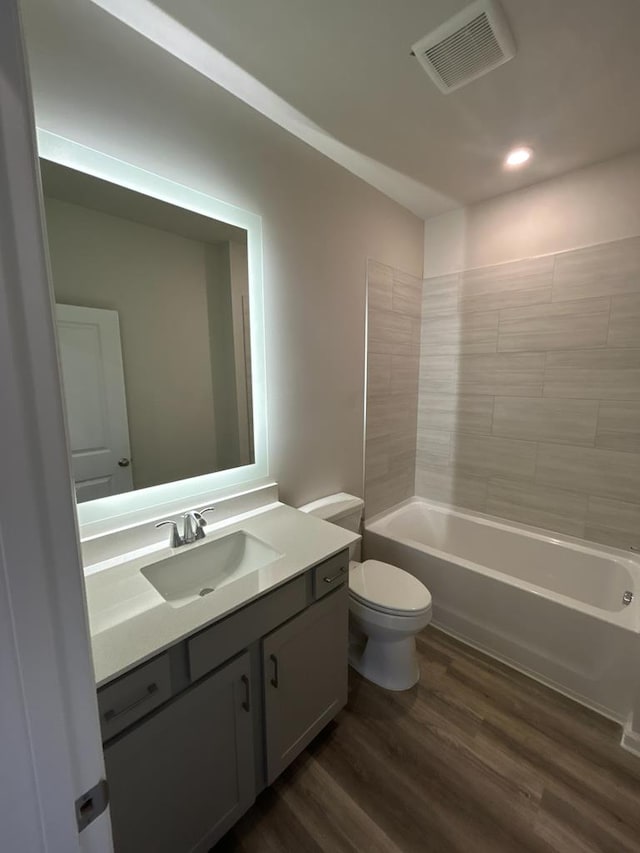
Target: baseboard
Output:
[(630, 739)]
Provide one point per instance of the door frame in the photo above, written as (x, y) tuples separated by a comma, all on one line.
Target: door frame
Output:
[(49, 720)]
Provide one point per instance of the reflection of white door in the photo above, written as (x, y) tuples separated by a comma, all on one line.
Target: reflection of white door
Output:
[(93, 380)]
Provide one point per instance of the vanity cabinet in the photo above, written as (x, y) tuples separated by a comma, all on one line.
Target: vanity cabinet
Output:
[(305, 679), (193, 735), (181, 779)]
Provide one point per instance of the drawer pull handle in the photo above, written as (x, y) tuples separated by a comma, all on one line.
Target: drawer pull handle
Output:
[(336, 576), (246, 705), (111, 714), (275, 680)]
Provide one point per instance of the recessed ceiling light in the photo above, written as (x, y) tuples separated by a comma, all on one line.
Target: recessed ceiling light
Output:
[(517, 157)]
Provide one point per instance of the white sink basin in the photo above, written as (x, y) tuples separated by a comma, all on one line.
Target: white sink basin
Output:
[(197, 572)]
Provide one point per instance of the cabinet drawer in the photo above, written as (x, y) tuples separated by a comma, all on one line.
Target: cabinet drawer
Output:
[(216, 644), (126, 700), (330, 574)]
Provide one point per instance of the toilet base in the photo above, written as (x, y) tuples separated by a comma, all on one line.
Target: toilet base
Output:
[(389, 664)]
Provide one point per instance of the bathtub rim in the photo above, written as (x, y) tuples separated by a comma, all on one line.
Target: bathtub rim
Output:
[(626, 618)]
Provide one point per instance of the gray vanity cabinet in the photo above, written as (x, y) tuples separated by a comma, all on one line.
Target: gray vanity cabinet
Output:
[(184, 777), (305, 678), (193, 734)]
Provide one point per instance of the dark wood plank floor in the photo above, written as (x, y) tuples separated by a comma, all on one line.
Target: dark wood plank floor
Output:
[(475, 758)]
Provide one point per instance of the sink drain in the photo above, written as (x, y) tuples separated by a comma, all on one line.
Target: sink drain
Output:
[(205, 591)]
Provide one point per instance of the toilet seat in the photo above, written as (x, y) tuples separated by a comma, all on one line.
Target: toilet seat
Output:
[(388, 589)]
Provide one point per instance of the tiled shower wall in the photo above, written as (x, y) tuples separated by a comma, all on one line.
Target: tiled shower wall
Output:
[(393, 361), (529, 392)]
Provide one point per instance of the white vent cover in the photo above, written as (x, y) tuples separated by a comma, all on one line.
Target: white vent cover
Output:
[(470, 44)]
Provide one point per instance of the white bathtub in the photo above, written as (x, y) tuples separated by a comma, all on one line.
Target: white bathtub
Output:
[(551, 606)]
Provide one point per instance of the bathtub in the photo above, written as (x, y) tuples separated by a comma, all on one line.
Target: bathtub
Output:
[(548, 605)]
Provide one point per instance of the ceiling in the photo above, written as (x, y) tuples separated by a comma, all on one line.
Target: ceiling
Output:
[(571, 92)]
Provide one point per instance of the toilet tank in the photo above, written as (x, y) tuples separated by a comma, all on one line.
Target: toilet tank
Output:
[(341, 509)]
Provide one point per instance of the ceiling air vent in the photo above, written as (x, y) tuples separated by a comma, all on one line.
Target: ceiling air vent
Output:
[(470, 44)]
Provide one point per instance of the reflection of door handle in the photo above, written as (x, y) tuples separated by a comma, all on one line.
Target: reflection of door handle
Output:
[(124, 462)]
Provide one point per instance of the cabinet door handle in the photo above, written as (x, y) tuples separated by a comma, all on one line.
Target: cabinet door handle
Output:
[(336, 576), (246, 705), (111, 714), (275, 680)]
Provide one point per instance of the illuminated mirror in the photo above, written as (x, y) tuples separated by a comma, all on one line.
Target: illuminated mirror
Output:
[(158, 302)]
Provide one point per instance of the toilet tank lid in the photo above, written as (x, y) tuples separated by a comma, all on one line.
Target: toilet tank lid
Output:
[(334, 507)]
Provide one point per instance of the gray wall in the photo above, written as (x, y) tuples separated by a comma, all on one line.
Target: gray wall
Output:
[(156, 282), (320, 223), (529, 392), (222, 357), (394, 310)]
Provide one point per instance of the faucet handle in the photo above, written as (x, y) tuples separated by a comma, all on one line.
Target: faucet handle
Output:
[(203, 521), (175, 540)]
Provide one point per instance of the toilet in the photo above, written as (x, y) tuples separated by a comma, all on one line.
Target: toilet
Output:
[(387, 606)]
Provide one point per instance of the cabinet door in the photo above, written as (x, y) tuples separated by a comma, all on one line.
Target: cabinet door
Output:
[(184, 776), (305, 673)]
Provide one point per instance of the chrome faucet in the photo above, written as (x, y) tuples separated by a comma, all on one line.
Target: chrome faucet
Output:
[(193, 527)]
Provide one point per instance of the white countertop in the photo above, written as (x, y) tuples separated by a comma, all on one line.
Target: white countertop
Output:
[(131, 622)]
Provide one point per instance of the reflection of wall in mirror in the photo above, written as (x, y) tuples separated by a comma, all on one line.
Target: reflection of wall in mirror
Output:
[(160, 284), (242, 348)]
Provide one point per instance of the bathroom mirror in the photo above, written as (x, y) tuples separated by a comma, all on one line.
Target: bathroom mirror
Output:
[(156, 290)]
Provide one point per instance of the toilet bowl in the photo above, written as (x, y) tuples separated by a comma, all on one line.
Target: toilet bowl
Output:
[(387, 608)]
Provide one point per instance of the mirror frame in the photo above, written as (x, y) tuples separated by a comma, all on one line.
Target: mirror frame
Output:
[(107, 515)]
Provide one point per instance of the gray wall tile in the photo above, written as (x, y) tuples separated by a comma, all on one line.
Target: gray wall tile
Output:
[(407, 297), (619, 426), (491, 456), (377, 457), (605, 473), (404, 374), (450, 487), (527, 282), (455, 412), (394, 323), (562, 325), (433, 447), (602, 374), (379, 286), (614, 522), (546, 419), (554, 341), (391, 414), (378, 374), (440, 295), (613, 538), (391, 332), (540, 506), (379, 494), (608, 269), (507, 374), (451, 334), (624, 325), (439, 373)]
